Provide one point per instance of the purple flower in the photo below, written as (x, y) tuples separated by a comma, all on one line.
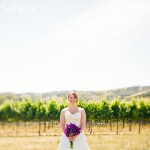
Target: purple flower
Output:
[(72, 130)]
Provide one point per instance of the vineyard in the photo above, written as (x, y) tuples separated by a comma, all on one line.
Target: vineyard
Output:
[(43, 115)]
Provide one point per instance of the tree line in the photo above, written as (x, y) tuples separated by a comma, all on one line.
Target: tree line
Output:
[(103, 111)]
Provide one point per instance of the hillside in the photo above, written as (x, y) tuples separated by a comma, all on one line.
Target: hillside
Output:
[(127, 92)]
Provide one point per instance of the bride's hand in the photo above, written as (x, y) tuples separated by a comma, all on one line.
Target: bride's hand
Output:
[(74, 137), (70, 138)]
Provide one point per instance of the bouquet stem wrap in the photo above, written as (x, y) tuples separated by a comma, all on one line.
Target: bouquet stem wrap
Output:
[(71, 144)]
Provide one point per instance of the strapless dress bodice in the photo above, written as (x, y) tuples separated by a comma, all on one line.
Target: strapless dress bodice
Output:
[(73, 118)]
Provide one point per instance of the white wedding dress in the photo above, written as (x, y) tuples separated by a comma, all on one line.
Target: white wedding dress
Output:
[(80, 143)]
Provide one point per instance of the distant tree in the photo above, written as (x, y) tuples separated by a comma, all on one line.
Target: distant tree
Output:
[(6, 111), (141, 113), (123, 112), (27, 111), (40, 113), (105, 112), (53, 111), (131, 112), (115, 107)]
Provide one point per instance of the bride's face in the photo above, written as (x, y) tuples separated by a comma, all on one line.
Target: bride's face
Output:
[(72, 99)]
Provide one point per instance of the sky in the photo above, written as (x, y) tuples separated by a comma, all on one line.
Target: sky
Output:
[(83, 45)]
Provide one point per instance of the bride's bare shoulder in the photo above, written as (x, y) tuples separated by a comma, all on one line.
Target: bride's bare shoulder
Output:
[(81, 109), (63, 110)]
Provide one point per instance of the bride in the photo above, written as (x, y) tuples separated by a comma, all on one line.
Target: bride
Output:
[(76, 115)]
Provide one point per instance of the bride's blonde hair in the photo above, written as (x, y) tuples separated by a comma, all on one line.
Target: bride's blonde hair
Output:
[(74, 94)]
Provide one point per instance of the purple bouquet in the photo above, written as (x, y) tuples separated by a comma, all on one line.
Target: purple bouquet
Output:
[(71, 130)]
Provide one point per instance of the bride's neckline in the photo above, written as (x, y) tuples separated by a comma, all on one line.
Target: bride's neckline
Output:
[(74, 113)]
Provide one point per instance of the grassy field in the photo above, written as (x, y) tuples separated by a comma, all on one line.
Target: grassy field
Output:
[(101, 139), (96, 142)]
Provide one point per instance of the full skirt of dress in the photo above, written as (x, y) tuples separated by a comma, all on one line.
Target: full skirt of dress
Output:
[(80, 143)]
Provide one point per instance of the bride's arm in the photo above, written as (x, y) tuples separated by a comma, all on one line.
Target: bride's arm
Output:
[(62, 119), (83, 119)]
